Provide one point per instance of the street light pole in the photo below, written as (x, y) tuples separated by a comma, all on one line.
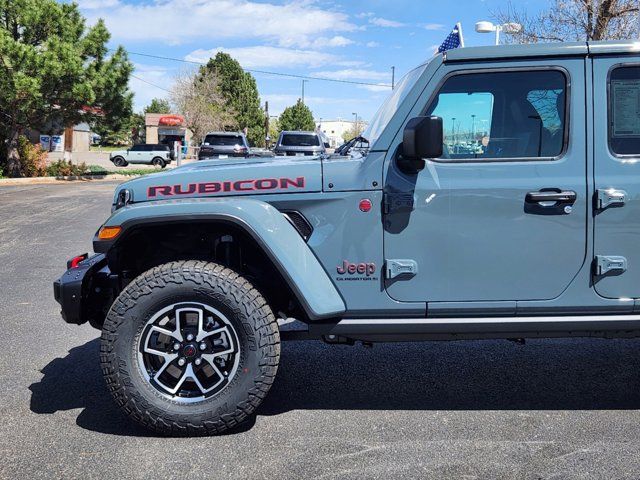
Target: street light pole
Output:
[(303, 82), (355, 126)]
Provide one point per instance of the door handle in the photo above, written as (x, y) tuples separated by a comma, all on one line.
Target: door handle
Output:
[(559, 197)]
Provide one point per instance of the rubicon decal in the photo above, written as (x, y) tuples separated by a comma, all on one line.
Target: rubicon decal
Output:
[(226, 186), (356, 271)]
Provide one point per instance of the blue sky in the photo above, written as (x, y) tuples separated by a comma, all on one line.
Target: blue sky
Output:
[(351, 40)]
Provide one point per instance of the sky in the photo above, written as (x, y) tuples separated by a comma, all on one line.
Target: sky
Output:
[(358, 40)]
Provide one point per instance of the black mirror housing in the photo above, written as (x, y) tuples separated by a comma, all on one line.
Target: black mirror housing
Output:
[(422, 138)]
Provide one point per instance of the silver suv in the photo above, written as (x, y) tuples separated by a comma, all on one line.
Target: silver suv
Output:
[(299, 143), (158, 155)]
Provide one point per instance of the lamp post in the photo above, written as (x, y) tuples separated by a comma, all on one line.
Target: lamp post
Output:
[(488, 27), (303, 82), (355, 125)]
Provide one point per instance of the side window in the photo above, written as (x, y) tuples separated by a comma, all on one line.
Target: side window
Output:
[(137, 148), (624, 111), (502, 115)]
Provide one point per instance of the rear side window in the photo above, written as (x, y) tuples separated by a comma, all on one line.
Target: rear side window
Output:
[(299, 140), (502, 115), (624, 111), (224, 140)]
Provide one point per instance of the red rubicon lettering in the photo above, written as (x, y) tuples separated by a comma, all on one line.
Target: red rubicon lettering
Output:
[(163, 190), (226, 186)]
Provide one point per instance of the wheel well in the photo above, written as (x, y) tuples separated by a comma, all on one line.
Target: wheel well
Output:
[(150, 245)]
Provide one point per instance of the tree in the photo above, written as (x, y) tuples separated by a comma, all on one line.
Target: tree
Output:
[(158, 105), (54, 73), (297, 117), (198, 98), (574, 20), (240, 91)]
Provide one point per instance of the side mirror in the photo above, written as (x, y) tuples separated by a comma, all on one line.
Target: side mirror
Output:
[(326, 145), (422, 138)]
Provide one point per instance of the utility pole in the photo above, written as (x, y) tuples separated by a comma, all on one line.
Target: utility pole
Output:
[(303, 82), (355, 125), (393, 78), (266, 124), (473, 127)]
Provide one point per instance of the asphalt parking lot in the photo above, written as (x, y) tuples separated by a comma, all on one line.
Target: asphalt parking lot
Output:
[(491, 409)]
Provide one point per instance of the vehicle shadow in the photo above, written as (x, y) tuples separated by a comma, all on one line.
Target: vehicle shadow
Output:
[(577, 374)]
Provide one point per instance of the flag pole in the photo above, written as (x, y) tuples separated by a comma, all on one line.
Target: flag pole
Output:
[(459, 25)]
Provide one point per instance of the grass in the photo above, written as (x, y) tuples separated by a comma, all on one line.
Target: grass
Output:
[(98, 170)]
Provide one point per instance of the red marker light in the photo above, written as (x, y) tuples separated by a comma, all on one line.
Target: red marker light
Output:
[(365, 205)]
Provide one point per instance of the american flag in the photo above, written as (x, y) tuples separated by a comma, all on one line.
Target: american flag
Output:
[(453, 40)]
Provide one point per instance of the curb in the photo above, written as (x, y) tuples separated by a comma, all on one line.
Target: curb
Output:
[(6, 182)]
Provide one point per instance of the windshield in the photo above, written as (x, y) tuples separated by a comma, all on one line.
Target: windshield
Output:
[(297, 140), (224, 140), (391, 104)]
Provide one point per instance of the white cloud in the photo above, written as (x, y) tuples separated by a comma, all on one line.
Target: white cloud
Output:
[(295, 24), (383, 22), (93, 4), (337, 41), (354, 74), (372, 44), (263, 56), (433, 26), (381, 87)]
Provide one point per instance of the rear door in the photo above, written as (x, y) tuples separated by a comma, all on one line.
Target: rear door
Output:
[(616, 84), (488, 222)]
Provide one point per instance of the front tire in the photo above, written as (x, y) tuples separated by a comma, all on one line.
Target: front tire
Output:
[(189, 348), (120, 162)]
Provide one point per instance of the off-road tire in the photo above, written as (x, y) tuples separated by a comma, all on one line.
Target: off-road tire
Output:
[(190, 281), (120, 162), (158, 162)]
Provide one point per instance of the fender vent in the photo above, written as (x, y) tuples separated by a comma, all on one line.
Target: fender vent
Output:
[(300, 223)]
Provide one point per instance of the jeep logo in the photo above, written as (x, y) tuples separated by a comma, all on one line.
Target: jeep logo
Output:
[(359, 268)]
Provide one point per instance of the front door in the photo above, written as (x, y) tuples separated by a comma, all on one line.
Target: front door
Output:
[(501, 216), (617, 176)]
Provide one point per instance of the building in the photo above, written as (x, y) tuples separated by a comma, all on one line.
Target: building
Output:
[(70, 139), (166, 129), (337, 130)]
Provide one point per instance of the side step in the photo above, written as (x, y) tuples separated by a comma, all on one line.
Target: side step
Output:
[(408, 329)]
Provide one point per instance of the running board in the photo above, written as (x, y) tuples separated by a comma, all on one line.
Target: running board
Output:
[(492, 327)]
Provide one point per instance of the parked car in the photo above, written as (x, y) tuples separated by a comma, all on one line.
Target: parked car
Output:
[(223, 145), (299, 143), (159, 155), (535, 235)]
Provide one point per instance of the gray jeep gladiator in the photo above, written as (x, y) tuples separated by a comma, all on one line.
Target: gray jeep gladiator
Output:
[(499, 197)]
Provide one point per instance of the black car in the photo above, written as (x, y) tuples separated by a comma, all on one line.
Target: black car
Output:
[(223, 145)]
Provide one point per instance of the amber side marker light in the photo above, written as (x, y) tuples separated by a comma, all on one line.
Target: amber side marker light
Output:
[(109, 233)]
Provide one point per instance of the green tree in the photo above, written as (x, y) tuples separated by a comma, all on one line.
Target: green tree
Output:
[(158, 105), (55, 72), (240, 91), (297, 117)]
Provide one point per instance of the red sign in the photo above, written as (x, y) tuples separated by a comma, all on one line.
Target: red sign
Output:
[(171, 120)]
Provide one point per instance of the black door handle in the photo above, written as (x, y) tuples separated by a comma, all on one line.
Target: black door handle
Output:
[(559, 197)]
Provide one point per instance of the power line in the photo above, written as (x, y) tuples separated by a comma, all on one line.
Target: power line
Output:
[(278, 74), (149, 83)]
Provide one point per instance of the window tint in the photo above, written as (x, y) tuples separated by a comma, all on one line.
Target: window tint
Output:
[(298, 140), (502, 115), (624, 111), (224, 140), (137, 148)]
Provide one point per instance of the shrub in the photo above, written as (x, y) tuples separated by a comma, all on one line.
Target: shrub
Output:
[(32, 158), (62, 168)]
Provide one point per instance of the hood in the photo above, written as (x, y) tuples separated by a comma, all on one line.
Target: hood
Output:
[(232, 177)]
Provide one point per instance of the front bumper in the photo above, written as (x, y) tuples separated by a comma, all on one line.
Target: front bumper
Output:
[(84, 292)]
